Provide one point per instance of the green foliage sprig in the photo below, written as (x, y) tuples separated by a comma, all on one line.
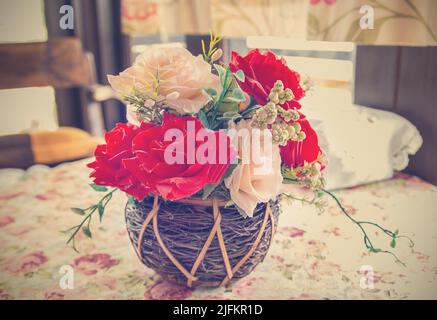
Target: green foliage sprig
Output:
[(224, 106), (317, 201), (88, 214), (394, 235), (214, 40)]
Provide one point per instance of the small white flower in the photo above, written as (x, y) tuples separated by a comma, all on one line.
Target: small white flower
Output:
[(149, 103), (217, 55)]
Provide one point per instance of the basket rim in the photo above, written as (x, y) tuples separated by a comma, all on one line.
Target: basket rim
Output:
[(209, 202), (202, 202)]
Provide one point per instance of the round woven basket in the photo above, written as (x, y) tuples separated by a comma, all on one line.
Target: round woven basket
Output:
[(200, 242)]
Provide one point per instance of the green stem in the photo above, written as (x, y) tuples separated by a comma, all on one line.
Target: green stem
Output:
[(303, 200), (367, 241), (102, 202), (78, 227), (223, 94)]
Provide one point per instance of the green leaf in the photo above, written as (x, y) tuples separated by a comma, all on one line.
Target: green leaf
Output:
[(208, 189), (221, 71), (201, 115), (130, 200), (210, 92), (229, 171), (101, 209), (203, 47), (240, 75), (230, 100), (393, 243), (250, 109), (78, 211), (231, 115), (223, 75), (238, 94), (227, 105), (87, 231), (98, 188), (374, 250), (318, 193)]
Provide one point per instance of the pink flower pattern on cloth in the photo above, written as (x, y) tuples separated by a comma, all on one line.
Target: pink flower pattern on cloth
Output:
[(307, 258)]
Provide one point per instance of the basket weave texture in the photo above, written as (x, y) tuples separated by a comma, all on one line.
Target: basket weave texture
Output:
[(200, 243)]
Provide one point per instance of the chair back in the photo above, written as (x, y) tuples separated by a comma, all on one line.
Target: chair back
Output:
[(59, 63)]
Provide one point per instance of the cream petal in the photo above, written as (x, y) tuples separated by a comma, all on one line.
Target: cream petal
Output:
[(249, 186)]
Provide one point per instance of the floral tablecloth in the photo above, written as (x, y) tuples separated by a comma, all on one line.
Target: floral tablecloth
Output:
[(313, 255)]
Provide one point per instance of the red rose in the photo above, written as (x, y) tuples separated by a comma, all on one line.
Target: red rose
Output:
[(179, 180), (261, 71), (108, 166), (296, 153)]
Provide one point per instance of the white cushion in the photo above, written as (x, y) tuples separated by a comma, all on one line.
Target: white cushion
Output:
[(362, 144)]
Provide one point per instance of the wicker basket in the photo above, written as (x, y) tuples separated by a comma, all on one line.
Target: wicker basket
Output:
[(200, 242)]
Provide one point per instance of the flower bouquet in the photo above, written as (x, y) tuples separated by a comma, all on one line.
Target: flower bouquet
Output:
[(208, 154)]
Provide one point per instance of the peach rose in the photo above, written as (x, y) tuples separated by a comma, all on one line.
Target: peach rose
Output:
[(257, 178), (182, 77)]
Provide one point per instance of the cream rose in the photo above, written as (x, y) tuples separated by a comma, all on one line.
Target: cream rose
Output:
[(255, 179), (181, 75)]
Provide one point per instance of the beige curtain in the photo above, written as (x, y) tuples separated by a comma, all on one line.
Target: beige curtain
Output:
[(241, 18), (230, 18), (401, 22), (142, 17), (407, 22)]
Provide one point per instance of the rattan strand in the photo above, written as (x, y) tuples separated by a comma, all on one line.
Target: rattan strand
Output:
[(200, 244)]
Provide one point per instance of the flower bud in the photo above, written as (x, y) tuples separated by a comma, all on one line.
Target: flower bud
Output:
[(291, 131), (300, 136), (295, 115), (278, 86), (217, 55), (273, 97), (297, 127), (289, 94)]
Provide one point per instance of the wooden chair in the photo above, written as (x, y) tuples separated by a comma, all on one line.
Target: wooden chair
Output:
[(59, 63)]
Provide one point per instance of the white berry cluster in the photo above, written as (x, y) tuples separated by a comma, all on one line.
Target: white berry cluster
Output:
[(273, 115)]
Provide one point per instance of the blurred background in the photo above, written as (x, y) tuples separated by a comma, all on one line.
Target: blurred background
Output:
[(56, 54)]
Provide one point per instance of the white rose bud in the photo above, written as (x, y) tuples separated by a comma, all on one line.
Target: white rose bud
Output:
[(216, 55)]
